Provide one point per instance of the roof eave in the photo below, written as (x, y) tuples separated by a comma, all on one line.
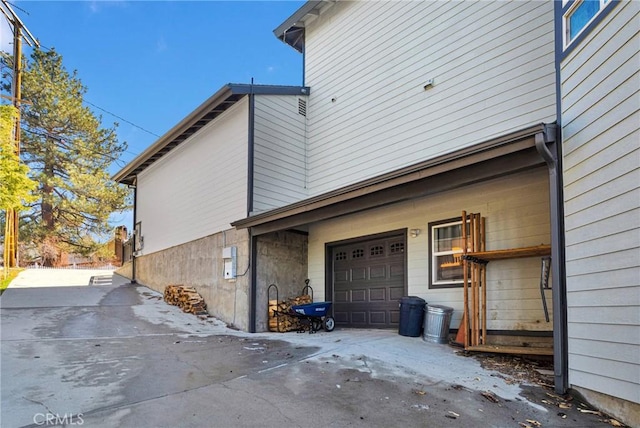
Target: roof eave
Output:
[(295, 22), (512, 142), (127, 174), (170, 135)]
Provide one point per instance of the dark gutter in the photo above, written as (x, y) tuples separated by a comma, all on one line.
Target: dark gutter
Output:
[(250, 154), (515, 141), (559, 289), (253, 280), (133, 247), (553, 157)]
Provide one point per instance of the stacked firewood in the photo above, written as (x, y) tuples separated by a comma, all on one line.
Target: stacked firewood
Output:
[(279, 318), (186, 298)]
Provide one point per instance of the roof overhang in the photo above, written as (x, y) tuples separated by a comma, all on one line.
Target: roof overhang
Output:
[(291, 31), (217, 104), (498, 157)]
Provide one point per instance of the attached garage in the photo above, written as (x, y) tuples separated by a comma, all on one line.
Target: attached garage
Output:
[(368, 278)]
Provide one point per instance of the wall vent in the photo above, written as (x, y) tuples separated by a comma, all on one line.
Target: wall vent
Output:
[(302, 107)]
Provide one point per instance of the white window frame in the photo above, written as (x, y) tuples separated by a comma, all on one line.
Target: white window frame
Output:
[(569, 13), (138, 239), (435, 264)]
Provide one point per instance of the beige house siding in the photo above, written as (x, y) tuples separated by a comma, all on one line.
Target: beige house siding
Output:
[(601, 152), (198, 188), (517, 215), (279, 152), (367, 64)]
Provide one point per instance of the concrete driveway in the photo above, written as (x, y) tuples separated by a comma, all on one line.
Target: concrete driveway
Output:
[(45, 277), (118, 356)]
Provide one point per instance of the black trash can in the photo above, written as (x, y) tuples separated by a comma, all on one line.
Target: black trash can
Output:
[(411, 316)]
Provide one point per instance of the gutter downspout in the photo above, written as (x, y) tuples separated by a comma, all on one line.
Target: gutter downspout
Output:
[(560, 354), (253, 286), (250, 148), (133, 248), (304, 64)]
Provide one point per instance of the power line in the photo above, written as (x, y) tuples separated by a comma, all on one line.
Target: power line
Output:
[(17, 7), (117, 160), (46, 48), (121, 118), (74, 143)]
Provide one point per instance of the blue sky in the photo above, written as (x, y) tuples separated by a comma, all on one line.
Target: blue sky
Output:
[(153, 62)]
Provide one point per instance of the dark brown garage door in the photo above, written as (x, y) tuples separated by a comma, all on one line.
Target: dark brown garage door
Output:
[(368, 280)]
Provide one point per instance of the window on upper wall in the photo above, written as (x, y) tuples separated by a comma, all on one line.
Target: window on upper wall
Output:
[(578, 15), (445, 250)]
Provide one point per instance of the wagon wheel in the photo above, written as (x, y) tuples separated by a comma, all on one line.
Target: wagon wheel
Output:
[(328, 323)]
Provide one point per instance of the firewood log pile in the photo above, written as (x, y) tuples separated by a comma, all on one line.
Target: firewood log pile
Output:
[(279, 320), (186, 298)]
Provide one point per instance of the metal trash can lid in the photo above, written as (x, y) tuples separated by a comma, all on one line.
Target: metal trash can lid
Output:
[(438, 308)]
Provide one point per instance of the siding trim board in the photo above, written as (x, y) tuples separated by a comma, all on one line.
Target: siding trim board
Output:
[(250, 152)]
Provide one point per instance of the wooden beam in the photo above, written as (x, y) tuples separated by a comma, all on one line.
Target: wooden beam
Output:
[(512, 253), (520, 350)]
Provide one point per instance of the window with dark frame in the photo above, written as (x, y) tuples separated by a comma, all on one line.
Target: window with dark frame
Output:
[(445, 253), (579, 15)]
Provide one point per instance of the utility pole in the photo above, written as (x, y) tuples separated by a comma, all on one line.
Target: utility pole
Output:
[(12, 217)]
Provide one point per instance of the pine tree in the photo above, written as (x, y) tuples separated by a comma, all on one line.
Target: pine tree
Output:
[(69, 153)]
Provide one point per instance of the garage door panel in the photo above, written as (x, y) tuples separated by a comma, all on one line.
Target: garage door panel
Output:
[(341, 317), (342, 275), (358, 295), (378, 318), (340, 296), (358, 274), (369, 280), (376, 272), (358, 317), (396, 293), (396, 270), (377, 294)]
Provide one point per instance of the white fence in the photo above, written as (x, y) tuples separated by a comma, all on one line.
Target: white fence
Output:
[(103, 267)]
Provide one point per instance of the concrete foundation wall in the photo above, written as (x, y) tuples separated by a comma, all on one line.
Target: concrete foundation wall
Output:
[(282, 260), (125, 270), (623, 410), (199, 264)]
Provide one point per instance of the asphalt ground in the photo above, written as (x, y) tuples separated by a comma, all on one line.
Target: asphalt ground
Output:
[(118, 356)]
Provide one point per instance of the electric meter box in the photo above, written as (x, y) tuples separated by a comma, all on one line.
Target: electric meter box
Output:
[(229, 255)]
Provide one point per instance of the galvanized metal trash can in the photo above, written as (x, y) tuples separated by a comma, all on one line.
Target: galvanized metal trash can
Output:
[(436, 323), (411, 316)]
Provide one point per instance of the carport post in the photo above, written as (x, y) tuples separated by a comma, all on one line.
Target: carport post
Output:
[(253, 287), (133, 248)]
